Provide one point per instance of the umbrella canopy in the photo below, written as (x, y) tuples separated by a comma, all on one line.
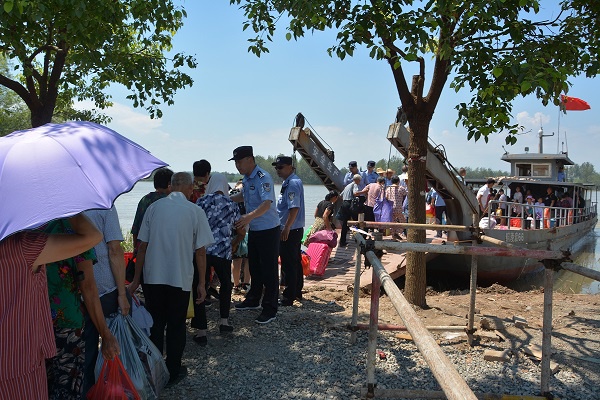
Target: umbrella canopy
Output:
[(58, 170)]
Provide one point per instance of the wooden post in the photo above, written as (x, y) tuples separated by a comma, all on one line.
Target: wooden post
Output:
[(453, 385), (578, 269), (372, 346), (547, 330), (356, 293), (472, 294)]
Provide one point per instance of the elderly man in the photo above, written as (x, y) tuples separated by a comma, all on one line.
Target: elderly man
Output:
[(263, 235), (290, 207), (109, 273), (173, 232)]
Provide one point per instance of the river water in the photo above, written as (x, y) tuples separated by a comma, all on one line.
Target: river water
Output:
[(584, 253)]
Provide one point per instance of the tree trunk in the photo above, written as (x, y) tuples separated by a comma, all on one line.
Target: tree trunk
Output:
[(416, 283), (42, 115)]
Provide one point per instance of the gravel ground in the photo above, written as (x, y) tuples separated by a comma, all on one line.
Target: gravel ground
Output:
[(306, 354)]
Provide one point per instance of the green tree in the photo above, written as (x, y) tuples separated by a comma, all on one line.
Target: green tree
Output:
[(497, 49), (14, 114), (69, 50)]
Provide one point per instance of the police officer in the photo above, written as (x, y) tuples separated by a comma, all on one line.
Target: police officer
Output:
[(263, 235), (290, 207), (348, 178), (369, 176)]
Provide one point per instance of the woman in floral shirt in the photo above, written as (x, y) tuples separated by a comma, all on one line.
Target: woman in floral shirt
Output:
[(68, 281)]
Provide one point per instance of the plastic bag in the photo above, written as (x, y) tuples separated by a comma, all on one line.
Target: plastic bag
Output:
[(113, 383), (129, 357), (151, 358), (140, 315), (242, 250), (324, 236), (190, 309), (382, 210), (305, 264)]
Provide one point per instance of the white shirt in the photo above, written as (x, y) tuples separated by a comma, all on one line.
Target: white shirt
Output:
[(483, 194), (174, 229)]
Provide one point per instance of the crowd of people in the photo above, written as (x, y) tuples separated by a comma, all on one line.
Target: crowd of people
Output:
[(529, 207), (190, 230)]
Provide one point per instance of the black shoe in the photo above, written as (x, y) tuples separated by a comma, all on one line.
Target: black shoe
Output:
[(225, 328), (246, 306), (201, 340), (265, 318), (286, 303), (183, 372)]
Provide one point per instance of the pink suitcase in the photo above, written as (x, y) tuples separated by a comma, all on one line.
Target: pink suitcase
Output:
[(319, 257)]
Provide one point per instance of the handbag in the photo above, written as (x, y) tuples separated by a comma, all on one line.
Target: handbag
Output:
[(383, 208), (324, 236), (113, 383), (429, 211)]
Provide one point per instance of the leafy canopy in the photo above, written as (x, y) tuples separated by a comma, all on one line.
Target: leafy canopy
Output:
[(496, 49), (78, 48)]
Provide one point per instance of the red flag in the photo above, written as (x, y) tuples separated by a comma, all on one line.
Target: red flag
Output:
[(573, 103)]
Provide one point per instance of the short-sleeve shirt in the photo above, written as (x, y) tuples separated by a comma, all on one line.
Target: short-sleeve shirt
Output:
[(291, 196), (222, 213), (141, 209), (483, 193), (258, 187), (174, 229), (348, 178), (369, 177), (438, 200), (63, 283), (25, 323), (373, 194), (107, 222), (325, 205), (549, 198), (348, 192)]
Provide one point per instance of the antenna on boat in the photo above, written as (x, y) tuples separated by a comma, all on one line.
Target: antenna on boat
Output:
[(541, 139)]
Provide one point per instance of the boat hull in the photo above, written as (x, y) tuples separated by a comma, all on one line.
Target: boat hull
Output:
[(506, 269)]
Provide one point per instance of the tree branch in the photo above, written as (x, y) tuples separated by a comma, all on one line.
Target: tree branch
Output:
[(16, 87)]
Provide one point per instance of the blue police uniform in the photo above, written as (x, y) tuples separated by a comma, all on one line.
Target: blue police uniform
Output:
[(369, 177), (258, 187), (263, 244), (348, 179), (291, 196)]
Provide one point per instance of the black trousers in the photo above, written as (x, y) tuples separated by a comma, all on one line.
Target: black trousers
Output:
[(110, 305), (168, 307), (438, 214), (291, 264), (263, 251), (346, 214), (222, 267)]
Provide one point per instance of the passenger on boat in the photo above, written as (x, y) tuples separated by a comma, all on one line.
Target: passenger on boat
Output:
[(539, 210), (529, 212), (483, 196), (502, 205), (550, 200), (518, 195)]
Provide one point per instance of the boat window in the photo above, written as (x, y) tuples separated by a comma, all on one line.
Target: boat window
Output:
[(523, 169), (540, 170)]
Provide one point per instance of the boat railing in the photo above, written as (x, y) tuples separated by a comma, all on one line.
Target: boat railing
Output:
[(515, 216)]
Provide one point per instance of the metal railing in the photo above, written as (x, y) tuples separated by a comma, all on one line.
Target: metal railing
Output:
[(544, 217), (452, 384)]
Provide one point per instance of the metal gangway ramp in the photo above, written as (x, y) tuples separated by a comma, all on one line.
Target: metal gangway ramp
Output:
[(460, 199)]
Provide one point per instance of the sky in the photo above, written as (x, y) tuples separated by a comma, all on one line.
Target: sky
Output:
[(239, 99)]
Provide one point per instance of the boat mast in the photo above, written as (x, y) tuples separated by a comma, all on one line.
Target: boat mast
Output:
[(541, 140)]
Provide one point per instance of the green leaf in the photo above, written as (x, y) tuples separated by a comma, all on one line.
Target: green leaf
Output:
[(497, 71), (525, 86), (8, 6), (288, 36)]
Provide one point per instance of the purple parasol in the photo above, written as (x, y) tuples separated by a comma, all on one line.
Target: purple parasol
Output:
[(58, 170)]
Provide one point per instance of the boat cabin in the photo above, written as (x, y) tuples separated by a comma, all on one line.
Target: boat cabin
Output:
[(547, 167)]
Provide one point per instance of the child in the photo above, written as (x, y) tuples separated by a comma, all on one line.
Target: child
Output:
[(539, 210), (529, 212)]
